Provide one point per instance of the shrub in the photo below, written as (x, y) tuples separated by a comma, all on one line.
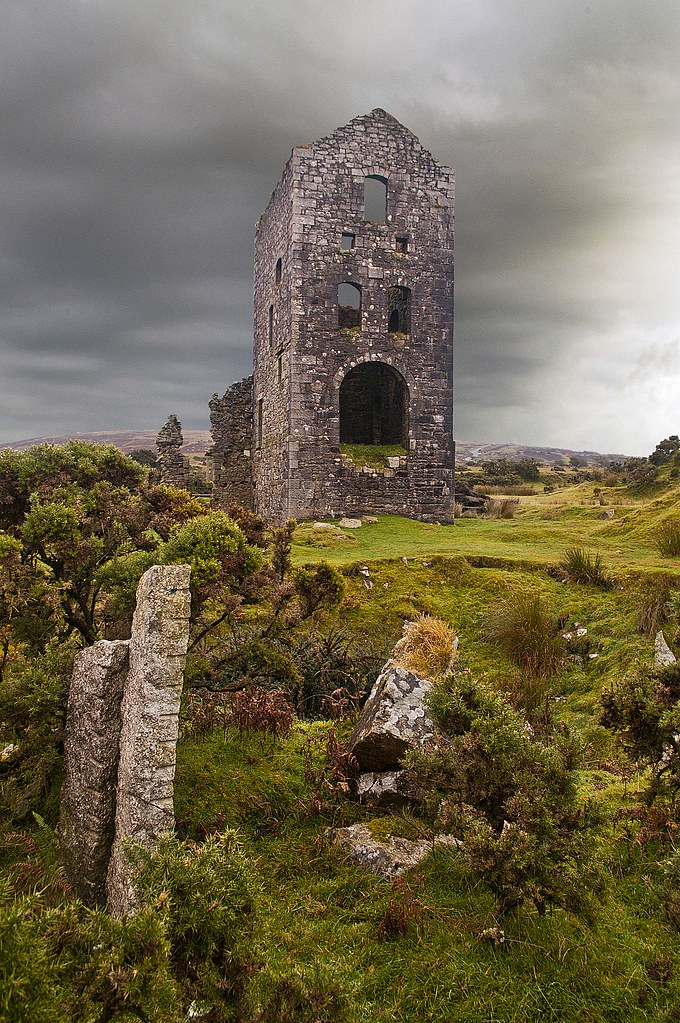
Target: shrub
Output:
[(668, 539), (427, 647), (526, 633), (511, 801), (581, 567)]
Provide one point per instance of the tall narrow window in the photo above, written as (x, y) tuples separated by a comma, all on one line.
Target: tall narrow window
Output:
[(349, 306), (270, 328), (279, 367), (375, 199), (398, 310), (260, 416), (277, 272)]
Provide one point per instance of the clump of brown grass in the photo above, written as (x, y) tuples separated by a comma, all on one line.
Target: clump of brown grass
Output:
[(427, 647), (504, 508)]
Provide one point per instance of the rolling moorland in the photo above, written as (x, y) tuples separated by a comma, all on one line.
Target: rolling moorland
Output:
[(565, 731)]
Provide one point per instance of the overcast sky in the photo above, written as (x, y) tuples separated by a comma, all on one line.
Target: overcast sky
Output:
[(141, 139)]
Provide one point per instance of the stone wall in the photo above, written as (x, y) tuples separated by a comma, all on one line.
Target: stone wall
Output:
[(231, 420)]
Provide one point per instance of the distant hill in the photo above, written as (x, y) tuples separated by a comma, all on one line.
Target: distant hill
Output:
[(470, 451), (197, 442)]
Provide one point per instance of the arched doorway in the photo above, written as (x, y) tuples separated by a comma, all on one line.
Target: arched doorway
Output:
[(374, 406)]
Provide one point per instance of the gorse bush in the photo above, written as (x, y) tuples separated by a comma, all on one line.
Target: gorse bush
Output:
[(668, 539), (427, 647), (580, 566), (526, 633), (510, 800)]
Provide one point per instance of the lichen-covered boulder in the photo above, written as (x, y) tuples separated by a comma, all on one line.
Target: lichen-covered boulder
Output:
[(394, 720), (387, 857), (386, 788)]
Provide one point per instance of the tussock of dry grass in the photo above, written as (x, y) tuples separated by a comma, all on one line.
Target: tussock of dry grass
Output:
[(427, 647)]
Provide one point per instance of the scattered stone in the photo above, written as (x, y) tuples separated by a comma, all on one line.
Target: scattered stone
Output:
[(663, 655), (393, 461), (388, 857), (607, 514), (88, 795), (369, 520), (393, 721), (350, 523), (149, 723), (324, 525)]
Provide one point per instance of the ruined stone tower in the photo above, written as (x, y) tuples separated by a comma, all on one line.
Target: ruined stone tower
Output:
[(353, 335)]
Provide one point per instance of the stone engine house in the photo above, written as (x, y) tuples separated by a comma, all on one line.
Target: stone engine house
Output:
[(353, 336)]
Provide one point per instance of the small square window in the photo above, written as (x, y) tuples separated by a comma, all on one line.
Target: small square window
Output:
[(347, 240), (401, 243)]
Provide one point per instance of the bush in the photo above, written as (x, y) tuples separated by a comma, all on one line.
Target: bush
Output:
[(509, 800), (527, 634), (668, 539), (427, 647), (581, 567)]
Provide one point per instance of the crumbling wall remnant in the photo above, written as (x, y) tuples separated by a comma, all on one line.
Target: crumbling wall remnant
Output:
[(172, 463)]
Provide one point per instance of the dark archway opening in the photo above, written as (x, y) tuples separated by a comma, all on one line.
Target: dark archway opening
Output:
[(374, 406)]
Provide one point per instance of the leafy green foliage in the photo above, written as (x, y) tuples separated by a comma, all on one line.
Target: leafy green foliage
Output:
[(644, 709), (510, 801)]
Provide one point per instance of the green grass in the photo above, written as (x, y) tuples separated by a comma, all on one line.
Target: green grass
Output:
[(374, 455)]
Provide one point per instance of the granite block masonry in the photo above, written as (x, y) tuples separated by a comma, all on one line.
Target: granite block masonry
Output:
[(121, 734), (353, 335)]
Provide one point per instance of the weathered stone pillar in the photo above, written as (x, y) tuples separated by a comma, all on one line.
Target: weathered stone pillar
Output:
[(172, 463), (150, 717), (88, 795)]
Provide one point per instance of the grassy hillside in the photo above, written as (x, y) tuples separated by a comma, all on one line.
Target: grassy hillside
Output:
[(324, 941)]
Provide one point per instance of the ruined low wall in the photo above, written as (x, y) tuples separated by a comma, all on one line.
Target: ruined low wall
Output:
[(231, 420)]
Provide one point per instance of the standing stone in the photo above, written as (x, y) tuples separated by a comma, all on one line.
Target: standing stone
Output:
[(149, 723), (88, 795), (663, 655), (173, 464)]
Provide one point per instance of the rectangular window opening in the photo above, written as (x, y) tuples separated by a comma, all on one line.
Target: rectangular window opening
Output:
[(347, 240), (279, 367), (401, 243)]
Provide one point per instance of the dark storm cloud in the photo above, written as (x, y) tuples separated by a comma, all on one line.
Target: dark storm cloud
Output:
[(140, 141)]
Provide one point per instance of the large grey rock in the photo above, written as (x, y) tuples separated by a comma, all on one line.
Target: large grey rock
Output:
[(149, 723), (394, 720), (88, 795), (663, 655), (391, 855), (388, 857)]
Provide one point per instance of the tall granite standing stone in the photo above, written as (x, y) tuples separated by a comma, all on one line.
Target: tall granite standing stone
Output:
[(149, 723), (88, 797)]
